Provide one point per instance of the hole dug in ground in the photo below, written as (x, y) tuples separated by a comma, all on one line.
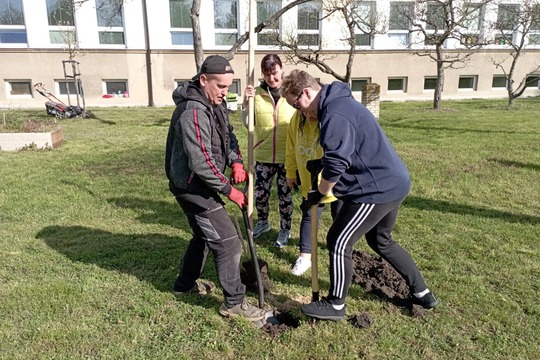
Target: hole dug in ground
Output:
[(372, 274)]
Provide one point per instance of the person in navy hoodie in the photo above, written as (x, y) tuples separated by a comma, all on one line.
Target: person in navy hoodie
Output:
[(363, 170)]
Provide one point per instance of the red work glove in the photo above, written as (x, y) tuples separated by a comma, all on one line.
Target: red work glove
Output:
[(238, 173), (238, 197)]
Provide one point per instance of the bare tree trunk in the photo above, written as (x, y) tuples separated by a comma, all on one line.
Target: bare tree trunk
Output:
[(511, 98), (197, 42), (439, 83)]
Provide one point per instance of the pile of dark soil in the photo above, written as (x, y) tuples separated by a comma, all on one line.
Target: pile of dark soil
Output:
[(373, 274)]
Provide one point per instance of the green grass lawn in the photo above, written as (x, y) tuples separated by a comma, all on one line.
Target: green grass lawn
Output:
[(91, 239)]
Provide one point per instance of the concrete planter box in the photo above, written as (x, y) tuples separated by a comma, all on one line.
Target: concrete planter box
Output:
[(42, 140)]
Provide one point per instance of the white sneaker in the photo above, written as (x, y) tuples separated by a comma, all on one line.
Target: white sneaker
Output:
[(282, 239), (301, 265), (260, 228)]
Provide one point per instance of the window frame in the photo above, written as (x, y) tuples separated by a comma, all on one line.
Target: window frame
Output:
[(226, 36), (400, 36), (474, 79), (498, 77), (362, 31), (365, 80), (105, 87), (59, 33), (185, 34), (270, 30), (61, 87), (9, 88), (430, 78), (104, 29), (471, 36), (305, 35), (535, 77), (506, 36), (404, 84)]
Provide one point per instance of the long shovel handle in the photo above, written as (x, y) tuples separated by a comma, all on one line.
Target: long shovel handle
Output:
[(254, 260), (314, 167), (253, 253), (314, 253)]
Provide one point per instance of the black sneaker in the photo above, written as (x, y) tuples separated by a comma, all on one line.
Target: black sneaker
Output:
[(323, 310), (428, 301)]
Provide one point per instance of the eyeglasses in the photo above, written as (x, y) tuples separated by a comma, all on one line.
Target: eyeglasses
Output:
[(295, 104)]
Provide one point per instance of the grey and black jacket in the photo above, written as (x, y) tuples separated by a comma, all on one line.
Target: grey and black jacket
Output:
[(200, 145)]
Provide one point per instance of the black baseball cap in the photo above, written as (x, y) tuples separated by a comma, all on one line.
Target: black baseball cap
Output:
[(214, 64)]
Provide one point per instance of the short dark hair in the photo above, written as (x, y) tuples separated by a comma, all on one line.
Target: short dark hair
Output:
[(269, 63)]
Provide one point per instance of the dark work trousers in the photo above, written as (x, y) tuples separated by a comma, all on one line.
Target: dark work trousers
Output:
[(305, 224), (376, 221), (213, 231), (264, 174)]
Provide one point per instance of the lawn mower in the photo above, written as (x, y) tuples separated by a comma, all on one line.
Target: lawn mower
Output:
[(57, 107)]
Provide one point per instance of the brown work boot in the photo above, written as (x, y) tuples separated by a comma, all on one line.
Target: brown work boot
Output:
[(201, 287), (245, 309)]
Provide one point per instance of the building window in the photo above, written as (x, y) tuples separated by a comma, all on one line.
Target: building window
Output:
[(399, 25), (435, 23), (473, 17), (265, 9), (67, 87), (358, 84), (533, 81), (499, 82), (13, 36), (534, 31), (19, 87), (226, 22), (468, 82), (181, 28), (12, 30), (61, 22), (110, 22), (534, 39), (235, 87), (115, 88), (430, 82), (397, 84), (507, 17), (365, 21), (308, 24)]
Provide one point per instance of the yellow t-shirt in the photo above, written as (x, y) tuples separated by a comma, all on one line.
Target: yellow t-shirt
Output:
[(303, 145)]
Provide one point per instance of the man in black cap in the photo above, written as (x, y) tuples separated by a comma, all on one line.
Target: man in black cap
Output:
[(200, 145)]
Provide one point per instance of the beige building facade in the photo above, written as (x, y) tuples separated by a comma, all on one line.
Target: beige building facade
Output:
[(124, 60)]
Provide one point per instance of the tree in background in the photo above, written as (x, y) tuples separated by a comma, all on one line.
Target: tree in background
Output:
[(304, 44), (269, 19), (448, 32), (517, 27)]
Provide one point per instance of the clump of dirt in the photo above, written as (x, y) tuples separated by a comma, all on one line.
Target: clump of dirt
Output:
[(362, 320), (373, 274), (376, 276)]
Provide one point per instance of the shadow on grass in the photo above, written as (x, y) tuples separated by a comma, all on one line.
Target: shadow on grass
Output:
[(457, 130), (446, 206), (511, 163), (154, 212), (150, 257)]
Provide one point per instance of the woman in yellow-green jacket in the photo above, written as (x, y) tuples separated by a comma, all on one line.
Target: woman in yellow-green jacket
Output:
[(302, 146), (272, 117)]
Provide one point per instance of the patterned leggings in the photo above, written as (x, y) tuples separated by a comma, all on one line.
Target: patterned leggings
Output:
[(264, 174)]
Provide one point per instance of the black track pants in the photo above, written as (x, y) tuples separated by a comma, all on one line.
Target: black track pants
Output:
[(376, 221)]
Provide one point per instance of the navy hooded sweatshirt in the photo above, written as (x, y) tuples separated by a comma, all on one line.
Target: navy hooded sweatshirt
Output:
[(357, 154)]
